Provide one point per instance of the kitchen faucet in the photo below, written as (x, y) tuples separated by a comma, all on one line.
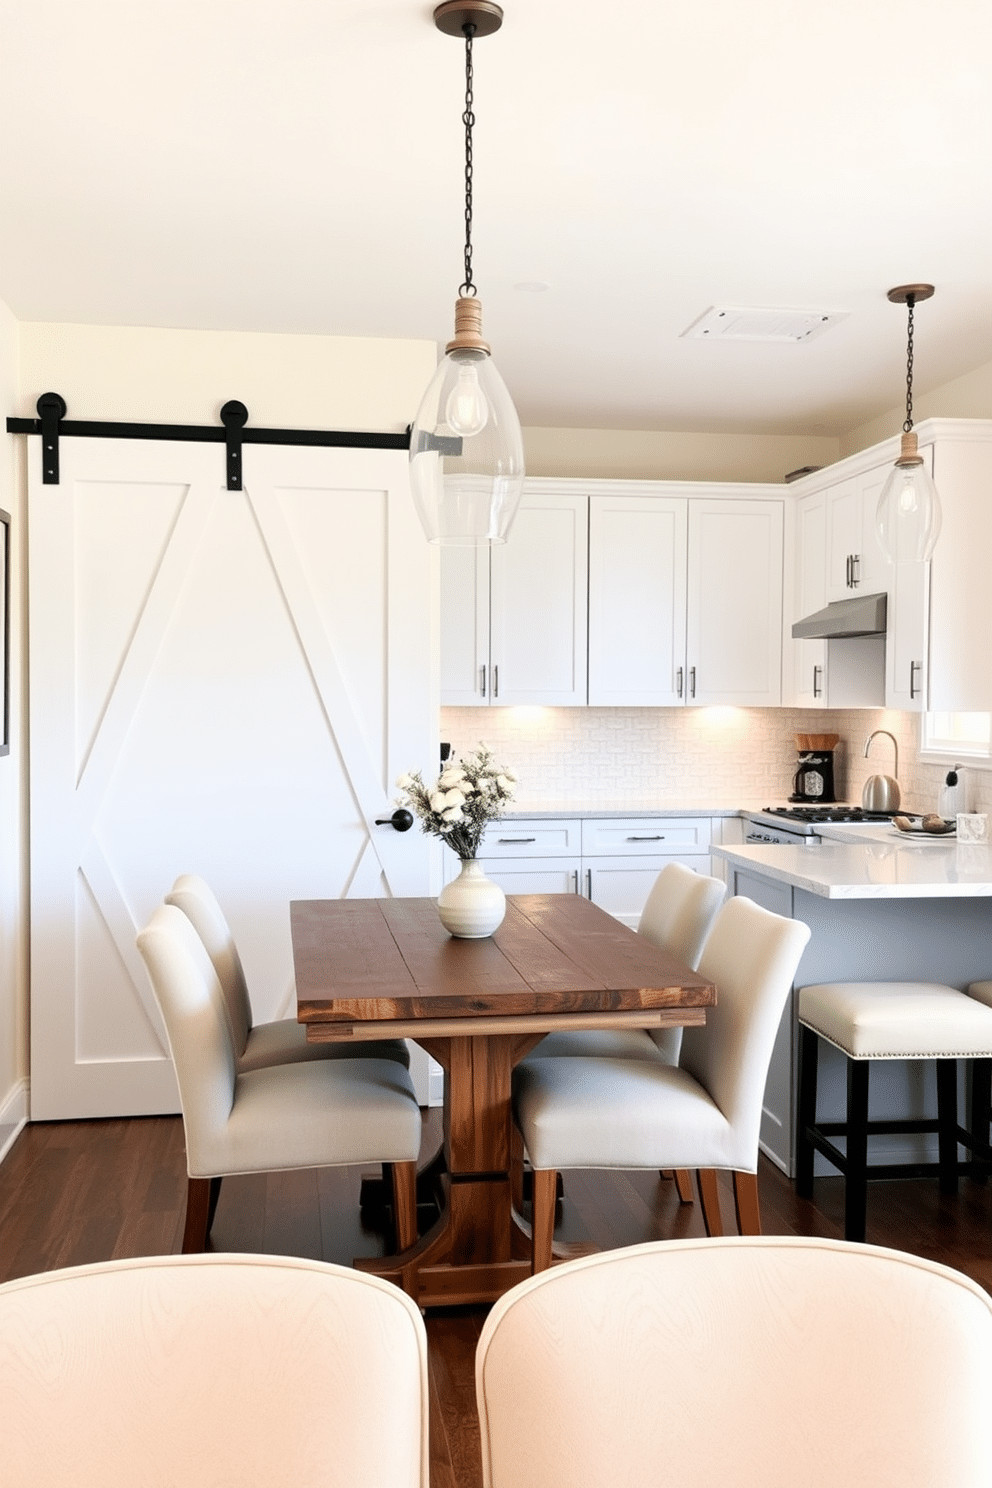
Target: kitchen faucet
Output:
[(895, 747)]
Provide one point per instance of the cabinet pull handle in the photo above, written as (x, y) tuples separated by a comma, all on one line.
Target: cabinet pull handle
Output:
[(692, 681), (658, 837), (847, 572), (482, 680), (855, 570), (588, 883), (679, 681), (575, 880), (914, 667), (496, 681), (817, 687), (516, 839)]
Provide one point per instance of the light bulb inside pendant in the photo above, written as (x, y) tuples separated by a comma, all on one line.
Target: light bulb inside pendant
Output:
[(466, 410)]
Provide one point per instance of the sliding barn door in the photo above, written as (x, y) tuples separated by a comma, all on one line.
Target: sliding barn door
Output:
[(225, 683)]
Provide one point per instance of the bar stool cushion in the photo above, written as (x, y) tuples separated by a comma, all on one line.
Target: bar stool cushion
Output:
[(982, 991), (897, 1020)]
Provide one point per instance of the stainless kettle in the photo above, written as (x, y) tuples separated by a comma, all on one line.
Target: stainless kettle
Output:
[(881, 792)]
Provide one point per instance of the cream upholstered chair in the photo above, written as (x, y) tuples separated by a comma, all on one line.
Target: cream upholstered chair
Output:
[(282, 1041), (677, 917), (317, 1113), (765, 1362), (871, 1021), (703, 1114), (211, 1370)]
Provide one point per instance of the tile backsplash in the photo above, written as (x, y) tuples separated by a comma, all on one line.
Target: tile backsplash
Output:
[(721, 755)]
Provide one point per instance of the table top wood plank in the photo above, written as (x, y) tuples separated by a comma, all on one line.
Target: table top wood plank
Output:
[(380, 960)]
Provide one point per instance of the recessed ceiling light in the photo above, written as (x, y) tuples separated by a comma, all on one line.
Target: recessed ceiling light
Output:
[(532, 286), (731, 323)]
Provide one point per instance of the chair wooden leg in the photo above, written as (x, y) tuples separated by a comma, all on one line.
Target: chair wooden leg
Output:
[(212, 1208), (544, 1188), (516, 1169), (746, 1203), (404, 1176), (709, 1194), (683, 1186), (197, 1215), (980, 1108)]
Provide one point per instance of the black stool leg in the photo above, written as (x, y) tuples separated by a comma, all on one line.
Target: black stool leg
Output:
[(947, 1124), (980, 1107), (809, 1046), (856, 1178)]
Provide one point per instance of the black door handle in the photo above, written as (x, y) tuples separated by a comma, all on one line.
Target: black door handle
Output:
[(401, 820)]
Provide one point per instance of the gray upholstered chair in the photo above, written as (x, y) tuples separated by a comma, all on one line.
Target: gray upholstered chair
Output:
[(208, 1370), (309, 1114), (283, 1041), (762, 1363), (705, 1113)]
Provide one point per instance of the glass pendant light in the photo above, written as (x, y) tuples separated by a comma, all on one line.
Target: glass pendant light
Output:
[(908, 514), (466, 448)]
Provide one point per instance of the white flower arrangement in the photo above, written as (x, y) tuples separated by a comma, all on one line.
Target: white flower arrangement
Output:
[(466, 797)]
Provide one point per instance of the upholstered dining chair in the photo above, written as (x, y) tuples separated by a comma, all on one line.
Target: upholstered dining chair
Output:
[(761, 1362), (282, 1041), (211, 1370), (677, 916), (705, 1113), (310, 1114)]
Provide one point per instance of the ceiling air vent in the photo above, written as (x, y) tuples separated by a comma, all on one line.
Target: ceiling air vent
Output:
[(730, 323)]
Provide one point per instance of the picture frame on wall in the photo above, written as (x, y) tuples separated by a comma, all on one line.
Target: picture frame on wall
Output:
[(5, 632)]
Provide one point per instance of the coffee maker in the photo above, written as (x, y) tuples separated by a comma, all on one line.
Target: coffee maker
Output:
[(813, 782)]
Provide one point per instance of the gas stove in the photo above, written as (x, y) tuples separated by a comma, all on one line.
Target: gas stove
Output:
[(792, 823)]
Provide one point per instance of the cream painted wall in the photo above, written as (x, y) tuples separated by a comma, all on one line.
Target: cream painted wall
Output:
[(611, 453), (137, 374), (965, 397)]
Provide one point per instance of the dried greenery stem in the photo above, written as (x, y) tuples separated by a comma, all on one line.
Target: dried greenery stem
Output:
[(465, 798)]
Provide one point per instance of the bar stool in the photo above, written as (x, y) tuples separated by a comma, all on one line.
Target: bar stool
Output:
[(884, 1020)]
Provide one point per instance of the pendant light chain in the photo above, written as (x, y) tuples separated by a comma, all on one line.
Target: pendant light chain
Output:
[(908, 425), (468, 119)]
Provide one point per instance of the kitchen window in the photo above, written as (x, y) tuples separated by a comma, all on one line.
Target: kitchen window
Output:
[(966, 736)]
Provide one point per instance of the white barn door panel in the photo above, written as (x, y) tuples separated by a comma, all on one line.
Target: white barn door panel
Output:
[(221, 682)]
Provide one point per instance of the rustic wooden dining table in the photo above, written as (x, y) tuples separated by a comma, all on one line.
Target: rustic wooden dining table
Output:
[(387, 968)]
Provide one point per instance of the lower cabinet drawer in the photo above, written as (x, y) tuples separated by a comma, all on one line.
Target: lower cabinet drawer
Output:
[(535, 838), (658, 835), (547, 876)]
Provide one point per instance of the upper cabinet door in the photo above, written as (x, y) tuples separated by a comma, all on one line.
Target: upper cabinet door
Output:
[(734, 646), (844, 556), (637, 595), (465, 627), (809, 658), (538, 609)]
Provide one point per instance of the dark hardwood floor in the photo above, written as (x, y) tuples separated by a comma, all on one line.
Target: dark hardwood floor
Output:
[(85, 1191)]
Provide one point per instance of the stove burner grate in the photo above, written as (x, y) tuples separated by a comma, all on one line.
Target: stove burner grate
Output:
[(829, 814)]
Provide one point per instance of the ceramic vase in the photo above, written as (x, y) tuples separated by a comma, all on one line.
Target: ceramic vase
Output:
[(471, 906)]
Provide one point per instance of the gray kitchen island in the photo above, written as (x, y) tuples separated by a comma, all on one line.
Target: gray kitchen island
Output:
[(880, 907)]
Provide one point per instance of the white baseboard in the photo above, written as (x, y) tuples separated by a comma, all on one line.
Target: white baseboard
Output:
[(13, 1116)]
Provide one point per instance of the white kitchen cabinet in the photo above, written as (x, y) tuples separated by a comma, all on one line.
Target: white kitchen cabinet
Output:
[(637, 600), (810, 591), (685, 600), (734, 615), (513, 617), (855, 563), (939, 616), (613, 861)]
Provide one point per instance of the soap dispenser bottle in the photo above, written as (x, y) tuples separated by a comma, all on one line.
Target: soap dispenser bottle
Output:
[(952, 794)]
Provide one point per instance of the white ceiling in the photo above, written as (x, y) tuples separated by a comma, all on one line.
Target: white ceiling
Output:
[(297, 167)]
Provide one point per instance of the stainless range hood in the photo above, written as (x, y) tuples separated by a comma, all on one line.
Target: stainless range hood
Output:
[(864, 615)]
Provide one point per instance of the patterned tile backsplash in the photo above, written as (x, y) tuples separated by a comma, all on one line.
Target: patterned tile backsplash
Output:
[(698, 755)]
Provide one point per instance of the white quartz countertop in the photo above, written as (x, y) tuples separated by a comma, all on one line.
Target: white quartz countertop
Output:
[(878, 865)]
